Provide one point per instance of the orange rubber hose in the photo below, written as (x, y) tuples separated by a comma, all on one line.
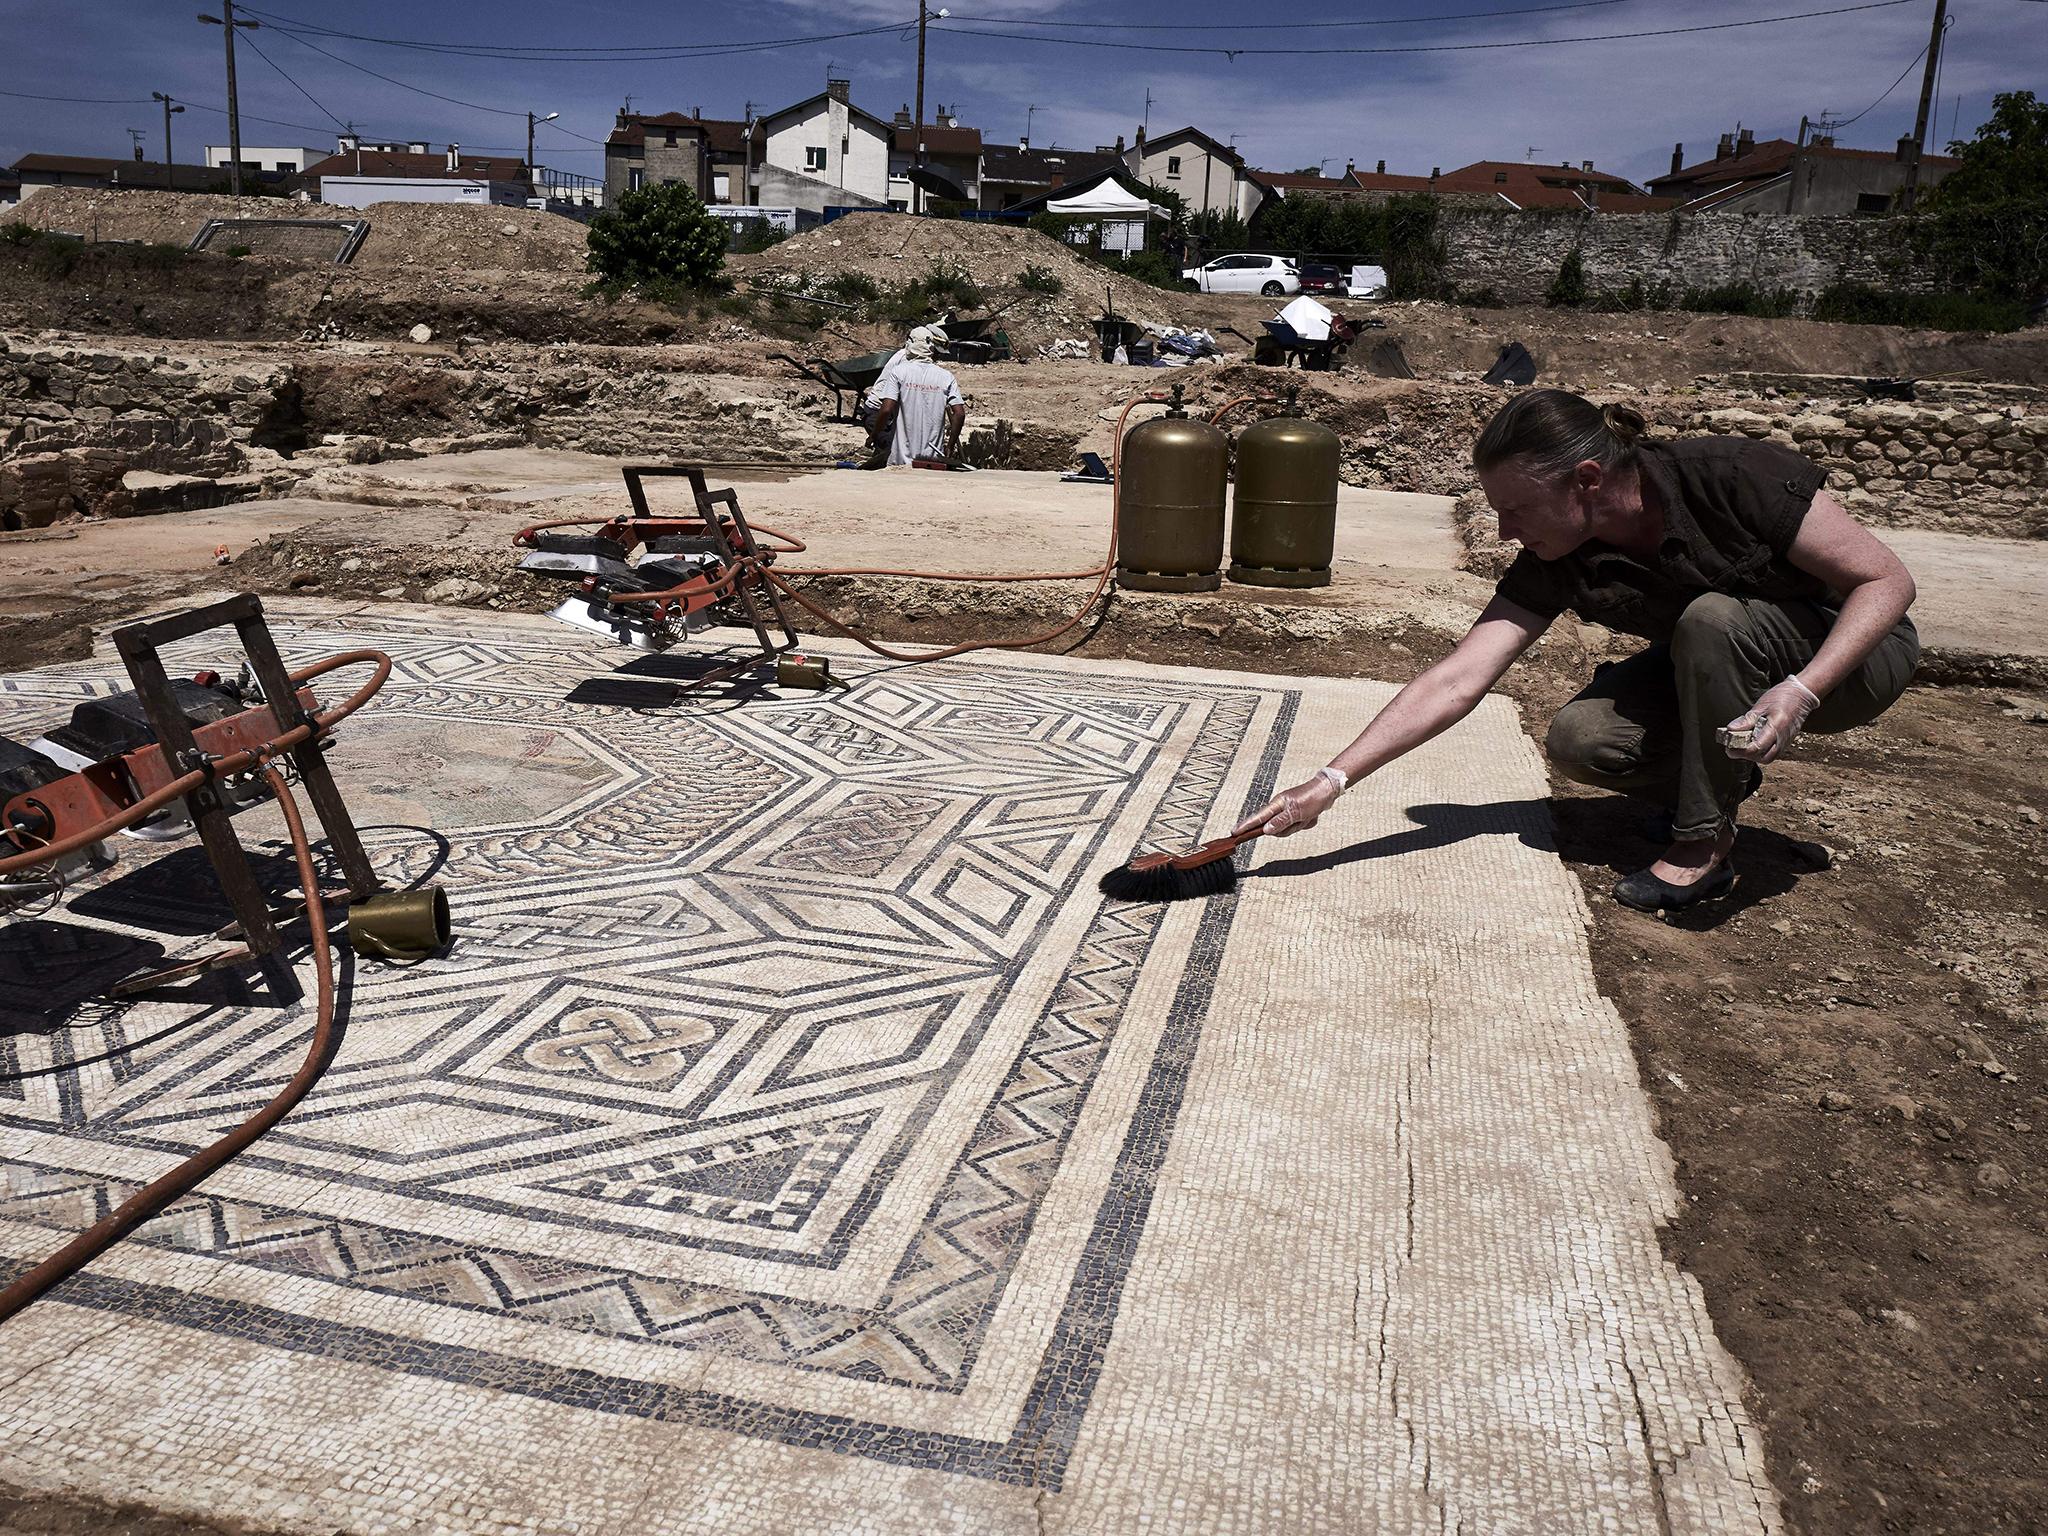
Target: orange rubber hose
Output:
[(153, 1197), (234, 762)]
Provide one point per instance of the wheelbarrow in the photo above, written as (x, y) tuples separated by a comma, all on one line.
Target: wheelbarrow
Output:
[(976, 340), (855, 374)]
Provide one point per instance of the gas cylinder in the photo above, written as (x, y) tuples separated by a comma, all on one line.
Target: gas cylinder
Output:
[(1171, 532), (1285, 521)]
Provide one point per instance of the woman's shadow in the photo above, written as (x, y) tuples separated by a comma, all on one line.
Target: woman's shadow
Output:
[(1606, 831)]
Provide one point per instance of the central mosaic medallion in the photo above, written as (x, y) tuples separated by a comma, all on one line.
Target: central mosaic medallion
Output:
[(791, 1040)]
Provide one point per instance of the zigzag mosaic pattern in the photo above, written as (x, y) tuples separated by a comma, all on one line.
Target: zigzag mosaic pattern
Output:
[(705, 998)]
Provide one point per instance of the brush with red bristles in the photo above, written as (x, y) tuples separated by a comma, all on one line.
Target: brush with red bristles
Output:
[(1205, 871)]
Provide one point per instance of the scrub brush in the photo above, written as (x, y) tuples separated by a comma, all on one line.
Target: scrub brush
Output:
[(1206, 871)]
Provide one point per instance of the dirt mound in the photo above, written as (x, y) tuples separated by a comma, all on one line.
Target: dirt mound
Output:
[(894, 250), (449, 236)]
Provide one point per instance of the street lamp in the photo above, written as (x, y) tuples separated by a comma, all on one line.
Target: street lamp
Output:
[(170, 165), (227, 23), (533, 182)]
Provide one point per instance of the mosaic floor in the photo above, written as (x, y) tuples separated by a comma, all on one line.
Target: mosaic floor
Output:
[(794, 1139)]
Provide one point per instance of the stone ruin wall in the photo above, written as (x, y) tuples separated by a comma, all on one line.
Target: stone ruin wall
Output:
[(103, 432), (1977, 467), (1517, 254), (94, 432)]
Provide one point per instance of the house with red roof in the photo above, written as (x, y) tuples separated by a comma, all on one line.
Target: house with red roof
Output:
[(1779, 176)]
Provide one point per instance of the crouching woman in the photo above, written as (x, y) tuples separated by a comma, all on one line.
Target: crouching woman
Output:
[(1767, 609)]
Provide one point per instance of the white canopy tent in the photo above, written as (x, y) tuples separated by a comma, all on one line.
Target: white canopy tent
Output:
[(1123, 212)]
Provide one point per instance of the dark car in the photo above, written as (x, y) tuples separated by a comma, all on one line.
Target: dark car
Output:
[(1322, 277)]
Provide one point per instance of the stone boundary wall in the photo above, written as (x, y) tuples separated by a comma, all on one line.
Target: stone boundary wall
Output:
[(1517, 254), (1906, 465), (76, 421)]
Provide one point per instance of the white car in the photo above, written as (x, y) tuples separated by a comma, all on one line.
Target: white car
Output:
[(1274, 276)]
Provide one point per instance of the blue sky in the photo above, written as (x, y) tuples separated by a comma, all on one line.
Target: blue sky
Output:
[(1621, 104)]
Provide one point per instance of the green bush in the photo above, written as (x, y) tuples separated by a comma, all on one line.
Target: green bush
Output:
[(18, 232), (752, 236), (1037, 279), (1985, 228), (945, 285), (159, 256), (1861, 304), (660, 233), (1485, 296), (54, 256), (853, 288), (236, 251), (1568, 289), (1149, 267), (1741, 299)]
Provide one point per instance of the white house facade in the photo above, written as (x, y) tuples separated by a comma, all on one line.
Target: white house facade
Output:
[(830, 140)]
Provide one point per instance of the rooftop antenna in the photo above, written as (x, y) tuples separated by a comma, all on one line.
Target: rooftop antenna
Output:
[(1148, 109), (629, 106), (1028, 111), (1529, 154), (136, 135)]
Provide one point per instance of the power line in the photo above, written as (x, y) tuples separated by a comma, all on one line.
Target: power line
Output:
[(1845, 122), (561, 54), (266, 58), (82, 101), (1285, 26), (1525, 42), (473, 106)]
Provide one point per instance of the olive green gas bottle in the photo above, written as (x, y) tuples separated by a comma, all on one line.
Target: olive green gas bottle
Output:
[(1173, 473), (1284, 525)]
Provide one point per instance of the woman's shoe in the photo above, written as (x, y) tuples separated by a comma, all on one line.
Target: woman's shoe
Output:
[(1646, 892)]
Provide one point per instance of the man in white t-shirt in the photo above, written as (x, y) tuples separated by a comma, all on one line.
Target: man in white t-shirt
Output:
[(870, 402), (919, 406)]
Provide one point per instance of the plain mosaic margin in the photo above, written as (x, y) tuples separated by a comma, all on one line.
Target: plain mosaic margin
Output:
[(1035, 1454)]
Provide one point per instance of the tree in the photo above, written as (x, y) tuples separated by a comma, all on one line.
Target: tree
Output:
[(659, 234), (1985, 228), (1568, 288)]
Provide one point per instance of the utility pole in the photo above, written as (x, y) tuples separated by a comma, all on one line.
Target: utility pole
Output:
[(1906, 197), (227, 24), (532, 179), (170, 165), (746, 196), (917, 128)]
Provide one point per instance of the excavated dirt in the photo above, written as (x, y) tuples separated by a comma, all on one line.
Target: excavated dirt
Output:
[(436, 236)]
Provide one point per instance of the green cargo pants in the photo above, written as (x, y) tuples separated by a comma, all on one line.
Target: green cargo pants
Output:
[(1648, 723)]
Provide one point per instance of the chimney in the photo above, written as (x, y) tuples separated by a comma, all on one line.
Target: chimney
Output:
[(1586, 165), (1677, 158), (839, 90), (1821, 141), (1119, 146), (454, 158), (1381, 168), (1434, 172), (1350, 165), (902, 117), (1745, 141), (696, 114), (619, 121), (138, 151), (1023, 141), (1906, 150), (1140, 145), (1726, 147)]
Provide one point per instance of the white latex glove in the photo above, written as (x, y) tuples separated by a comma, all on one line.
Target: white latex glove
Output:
[(1774, 721), (1297, 809)]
